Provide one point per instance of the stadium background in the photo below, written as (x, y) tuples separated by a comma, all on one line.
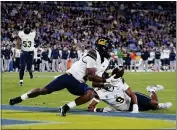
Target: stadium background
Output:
[(131, 25)]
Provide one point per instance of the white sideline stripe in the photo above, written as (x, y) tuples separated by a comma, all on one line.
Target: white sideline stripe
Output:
[(42, 76), (45, 122), (30, 124)]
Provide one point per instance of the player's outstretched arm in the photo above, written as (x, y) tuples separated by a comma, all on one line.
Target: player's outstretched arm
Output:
[(133, 98)]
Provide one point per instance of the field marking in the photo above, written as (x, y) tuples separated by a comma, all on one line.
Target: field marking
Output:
[(84, 112), (31, 124), (40, 76)]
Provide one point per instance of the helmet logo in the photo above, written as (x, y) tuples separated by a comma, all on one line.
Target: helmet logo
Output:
[(102, 42)]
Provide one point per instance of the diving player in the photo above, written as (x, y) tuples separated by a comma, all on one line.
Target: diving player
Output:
[(26, 40), (119, 97), (74, 79)]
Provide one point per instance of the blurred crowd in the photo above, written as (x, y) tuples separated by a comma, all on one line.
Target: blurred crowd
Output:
[(134, 27)]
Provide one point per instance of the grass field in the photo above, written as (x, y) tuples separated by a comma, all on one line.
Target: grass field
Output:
[(50, 120)]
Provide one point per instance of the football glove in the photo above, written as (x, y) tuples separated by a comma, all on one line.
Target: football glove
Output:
[(112, 79)]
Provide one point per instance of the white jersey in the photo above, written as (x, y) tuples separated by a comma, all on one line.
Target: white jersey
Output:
[(80, 53), (166, 53), (27, 40), (162, 54), (116, 98), (78, 69), (152, 56), (17, 53), (101, 69)]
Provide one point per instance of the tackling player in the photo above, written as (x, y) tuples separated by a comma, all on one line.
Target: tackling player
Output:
[(119, 97), (26, 40), (73, 79)]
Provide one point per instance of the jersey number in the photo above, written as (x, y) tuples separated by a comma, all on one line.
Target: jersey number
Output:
[(27, 43), (119, 99)]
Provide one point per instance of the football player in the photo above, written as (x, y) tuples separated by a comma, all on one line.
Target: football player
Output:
[(120, 97), (25, 39), (74, 79)]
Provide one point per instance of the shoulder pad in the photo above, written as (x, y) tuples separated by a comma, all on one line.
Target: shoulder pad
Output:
[(92, 54)]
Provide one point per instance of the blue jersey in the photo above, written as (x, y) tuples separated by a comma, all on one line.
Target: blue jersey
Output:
[(55, 54), (7, 54), (64, 55), (172, 56), (73, 54), (45, 56)]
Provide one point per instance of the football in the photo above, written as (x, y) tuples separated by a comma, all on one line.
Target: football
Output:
[(119, 72)]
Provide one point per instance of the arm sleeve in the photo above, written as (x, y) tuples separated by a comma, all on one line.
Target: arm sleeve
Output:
[(125, 86)]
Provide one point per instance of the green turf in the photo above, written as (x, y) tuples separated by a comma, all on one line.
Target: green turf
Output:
[(137, 81)]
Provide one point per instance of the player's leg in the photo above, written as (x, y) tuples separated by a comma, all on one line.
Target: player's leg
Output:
[(166, 64), (93, 103), (134, 65), (79, 89), (33, 65), (2, 65), (56, 62), (5, 65), (57, 84), (158, 64), (146, 65), (53, 65), (171, 66), (65, 62), (9, 65), (78, 101), (154, 101), (162, 64), (43, 65), (131, 65), (30, 63), (145, 103), (47, 66), (22, 66), (174, 65)]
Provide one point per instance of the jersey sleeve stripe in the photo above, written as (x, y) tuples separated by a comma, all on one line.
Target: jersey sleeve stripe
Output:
[(92, 54)]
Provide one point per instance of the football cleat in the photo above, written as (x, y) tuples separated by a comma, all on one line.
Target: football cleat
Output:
[(15, 101), (154, 88), (21, 84), (63, 110), (31, 76), (165, 105)]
